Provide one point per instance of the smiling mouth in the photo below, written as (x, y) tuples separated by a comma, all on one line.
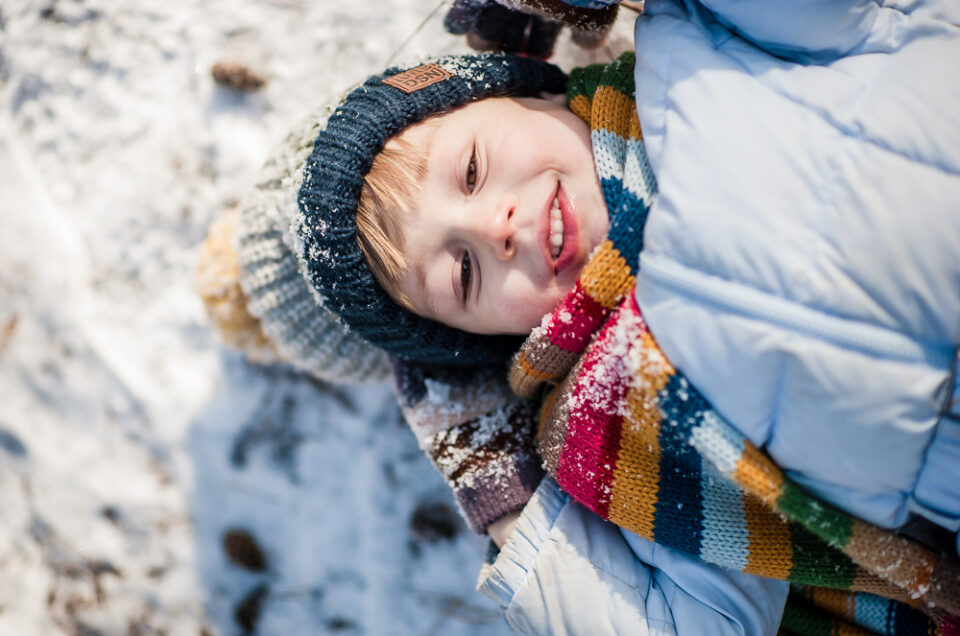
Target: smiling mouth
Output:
[(556, 229)]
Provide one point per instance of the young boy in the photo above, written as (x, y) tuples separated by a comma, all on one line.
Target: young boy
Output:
[(507, 218), (459, 280), (630, 594)]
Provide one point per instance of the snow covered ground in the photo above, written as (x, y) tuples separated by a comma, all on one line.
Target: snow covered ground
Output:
[(151, 481)]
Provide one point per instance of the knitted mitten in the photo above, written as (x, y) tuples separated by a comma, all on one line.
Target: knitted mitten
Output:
[(589, 27), (492, 27), (479, 435)]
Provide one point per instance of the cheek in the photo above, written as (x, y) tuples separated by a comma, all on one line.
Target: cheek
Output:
[(524, 311)]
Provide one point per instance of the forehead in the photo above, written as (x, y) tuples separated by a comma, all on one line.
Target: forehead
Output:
[(420, 225)]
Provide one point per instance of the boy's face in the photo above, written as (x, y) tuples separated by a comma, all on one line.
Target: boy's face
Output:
[(508, 213)]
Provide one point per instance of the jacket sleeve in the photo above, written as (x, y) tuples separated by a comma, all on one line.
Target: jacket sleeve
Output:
[(480, 436), (563, 570), (816, 30)]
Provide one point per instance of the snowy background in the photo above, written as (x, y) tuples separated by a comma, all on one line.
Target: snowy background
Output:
[(151, 481)]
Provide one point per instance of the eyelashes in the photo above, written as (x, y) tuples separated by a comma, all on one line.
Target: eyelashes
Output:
[(472, 170), (466, 263), (466, 272), (471, 177)]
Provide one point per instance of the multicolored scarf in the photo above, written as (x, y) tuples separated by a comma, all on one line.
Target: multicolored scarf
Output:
[(627, 435)]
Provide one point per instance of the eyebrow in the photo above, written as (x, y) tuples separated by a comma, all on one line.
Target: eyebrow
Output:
[(432, 136), (433, 132), (421, 275)]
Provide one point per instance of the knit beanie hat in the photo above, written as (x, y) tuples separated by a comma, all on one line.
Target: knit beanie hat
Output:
[(291, 314), (342, 154)]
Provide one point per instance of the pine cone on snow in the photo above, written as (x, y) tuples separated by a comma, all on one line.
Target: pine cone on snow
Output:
[(237, 77), (243, 550)]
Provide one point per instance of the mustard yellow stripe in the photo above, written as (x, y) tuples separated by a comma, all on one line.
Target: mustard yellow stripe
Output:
[(581, 106), (636, 476), (634, 131), (532, 371), (616, 112), (758, 475), (606, 276), (525, 378), (837, 602), (770, 548)]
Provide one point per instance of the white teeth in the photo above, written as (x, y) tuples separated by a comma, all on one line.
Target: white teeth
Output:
[(556, 229)]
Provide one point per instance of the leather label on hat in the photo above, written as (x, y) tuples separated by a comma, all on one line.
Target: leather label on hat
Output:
[(418, 77)]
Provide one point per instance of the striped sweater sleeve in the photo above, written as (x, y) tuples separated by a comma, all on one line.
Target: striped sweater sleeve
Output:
[(478, 434)]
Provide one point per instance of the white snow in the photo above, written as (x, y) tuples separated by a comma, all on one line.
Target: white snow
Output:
[(130, 438)]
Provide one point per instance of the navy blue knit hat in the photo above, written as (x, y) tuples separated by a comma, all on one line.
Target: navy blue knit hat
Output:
[(333, 176)]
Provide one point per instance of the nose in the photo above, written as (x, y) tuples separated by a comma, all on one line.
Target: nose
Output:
[(497, 231)]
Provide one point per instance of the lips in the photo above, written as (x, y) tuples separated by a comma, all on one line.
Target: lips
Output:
[(559, 232), (555, 237), (571, 242)]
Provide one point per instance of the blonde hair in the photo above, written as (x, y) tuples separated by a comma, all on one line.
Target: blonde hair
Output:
[(387, 193)]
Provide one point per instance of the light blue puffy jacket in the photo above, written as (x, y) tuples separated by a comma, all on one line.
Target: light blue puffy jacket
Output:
[(564, 570), (802, 268), (802, 260)]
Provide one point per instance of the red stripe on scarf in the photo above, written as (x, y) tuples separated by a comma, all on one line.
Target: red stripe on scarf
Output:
[(576, 320), (588, 461)]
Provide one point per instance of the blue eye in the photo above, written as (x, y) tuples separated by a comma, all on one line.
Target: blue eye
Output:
[(472, 170), (465, 276)]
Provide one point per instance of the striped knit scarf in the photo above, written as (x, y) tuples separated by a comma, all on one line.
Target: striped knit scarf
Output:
[(629, 437)]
